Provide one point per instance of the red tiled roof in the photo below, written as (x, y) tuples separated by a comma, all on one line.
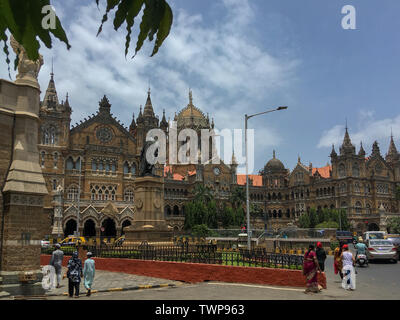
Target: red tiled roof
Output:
[(324, 171), (257, 180), (177, 176)]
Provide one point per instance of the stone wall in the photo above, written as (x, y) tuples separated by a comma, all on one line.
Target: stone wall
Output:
[(22, 220), (198, 272), (6, 142)]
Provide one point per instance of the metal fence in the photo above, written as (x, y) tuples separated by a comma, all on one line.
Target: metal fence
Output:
[(200, 253)]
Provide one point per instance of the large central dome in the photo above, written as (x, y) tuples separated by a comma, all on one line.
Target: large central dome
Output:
[(274, 165), (191, 116)]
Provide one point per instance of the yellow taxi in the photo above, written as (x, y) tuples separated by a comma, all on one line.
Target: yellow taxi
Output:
[(72, 240)]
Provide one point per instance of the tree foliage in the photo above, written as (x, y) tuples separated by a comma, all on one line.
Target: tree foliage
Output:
[(23, 19), (393, 225), (204, 210), (325, 218)]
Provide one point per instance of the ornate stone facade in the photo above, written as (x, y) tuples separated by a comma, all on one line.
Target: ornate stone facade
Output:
[(364, 186), (100, 157)]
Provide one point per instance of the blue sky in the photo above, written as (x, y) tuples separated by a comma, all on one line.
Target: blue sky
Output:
[(242, 57)]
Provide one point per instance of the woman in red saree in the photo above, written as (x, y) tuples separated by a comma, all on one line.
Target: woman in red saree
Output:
[(310, 269)]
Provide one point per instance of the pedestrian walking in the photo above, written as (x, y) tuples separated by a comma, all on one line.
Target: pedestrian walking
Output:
[(349, 273), (56, 261), (337, 262), (88, 273), (74, 274), (321, 256), (310, 270)]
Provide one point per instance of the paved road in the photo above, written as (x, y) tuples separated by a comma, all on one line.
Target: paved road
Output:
[(376, 282)]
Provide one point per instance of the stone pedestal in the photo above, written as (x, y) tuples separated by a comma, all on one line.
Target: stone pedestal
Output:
[(23, 223), (148, 220)]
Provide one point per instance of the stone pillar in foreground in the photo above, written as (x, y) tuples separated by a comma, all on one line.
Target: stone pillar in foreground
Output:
[(23, 222), (148, 220)]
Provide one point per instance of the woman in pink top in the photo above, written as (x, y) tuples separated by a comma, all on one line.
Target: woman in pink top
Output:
[(310, 268)]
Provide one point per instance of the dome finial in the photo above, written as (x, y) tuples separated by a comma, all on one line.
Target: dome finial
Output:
[(190, 97)]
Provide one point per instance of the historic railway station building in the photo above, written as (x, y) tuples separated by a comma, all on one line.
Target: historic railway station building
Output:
[(100, 157)]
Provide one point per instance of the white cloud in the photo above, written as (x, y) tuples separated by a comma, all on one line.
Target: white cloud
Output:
[(227, 69), (367, 131)]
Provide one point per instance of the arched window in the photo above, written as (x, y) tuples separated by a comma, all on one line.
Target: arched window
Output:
[(133, 169), (368, 208), (128, 195), (78, 164), (55, 159), (46, 137), (356, 170), (54, 184), (103, 192), (358, 207), (49, 136), (113, 167), (357, 187), (72, 193), (342, 170), (126, 168), (342, 188), (94, 165), (52, 136)]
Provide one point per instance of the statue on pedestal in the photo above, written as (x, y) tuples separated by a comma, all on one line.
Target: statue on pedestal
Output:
[(146, 168)]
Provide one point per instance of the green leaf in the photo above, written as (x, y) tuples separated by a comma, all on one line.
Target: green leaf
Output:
[(111, 4), (60, 34), (164, 29), (35, 11), (145, 25), (130, 19)]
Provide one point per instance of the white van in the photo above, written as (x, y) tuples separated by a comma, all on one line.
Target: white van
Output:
[(374, 235)]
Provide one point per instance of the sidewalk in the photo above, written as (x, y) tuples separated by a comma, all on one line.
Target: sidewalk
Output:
[(106, 281)]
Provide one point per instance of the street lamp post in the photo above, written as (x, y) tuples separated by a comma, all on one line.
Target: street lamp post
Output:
[(79, 197), (246, 118)]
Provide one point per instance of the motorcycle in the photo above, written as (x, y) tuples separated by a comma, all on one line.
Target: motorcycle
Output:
[(362, 260)]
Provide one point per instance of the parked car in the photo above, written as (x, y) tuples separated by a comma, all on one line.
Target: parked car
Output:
[(371, 235), (72, 240), (120, 241), (381, 249), (395, 239), (45, 243)]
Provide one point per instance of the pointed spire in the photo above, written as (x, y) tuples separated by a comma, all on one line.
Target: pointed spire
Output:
[(298, 159), (148, 108), (273, 154), (50, 100), (233, 161), (375, 150), (105, 105), (347, 147), (66, 104), (132, 127), (333, 152), (190, 97), (140, 116), (163, 123), (361, 153), (392, 154)]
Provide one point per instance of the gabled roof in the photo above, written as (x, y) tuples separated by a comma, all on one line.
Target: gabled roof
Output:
[(323, 172), (102, 116)]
